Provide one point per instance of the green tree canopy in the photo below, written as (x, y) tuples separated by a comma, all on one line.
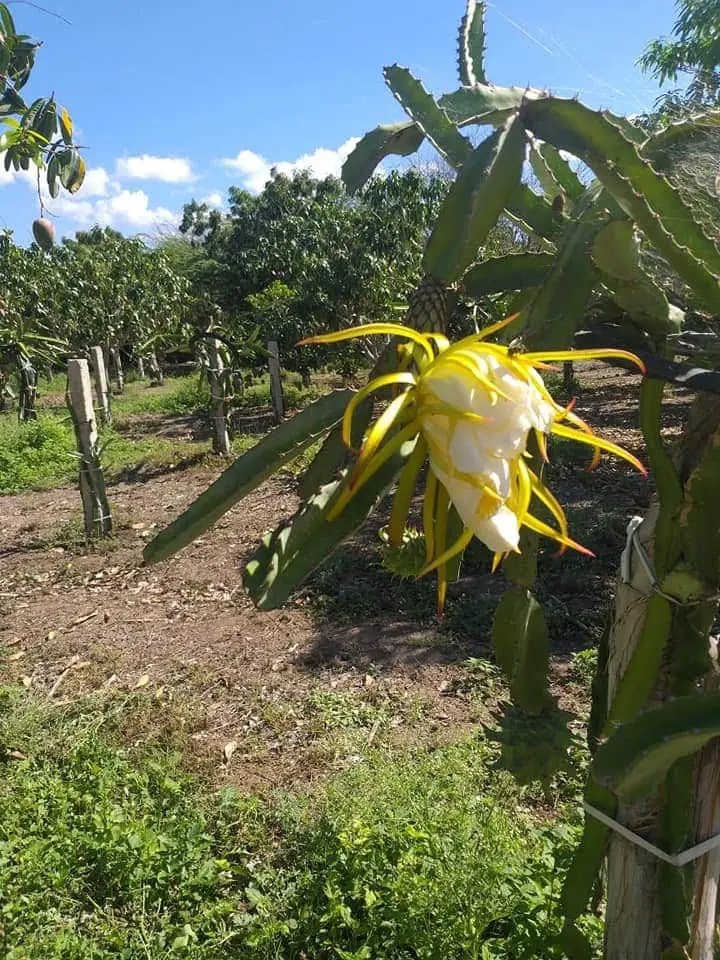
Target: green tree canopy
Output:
[(303, 256), (693, 50)]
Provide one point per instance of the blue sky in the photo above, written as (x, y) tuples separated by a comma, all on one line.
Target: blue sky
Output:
[(175, 100)]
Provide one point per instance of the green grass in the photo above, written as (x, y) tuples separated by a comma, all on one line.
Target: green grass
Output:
[(41, 454), (35, 455), (107, 851), (187, 395), (178, 395)]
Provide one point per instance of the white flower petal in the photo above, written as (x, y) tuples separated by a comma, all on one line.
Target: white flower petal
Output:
[(500, 532)]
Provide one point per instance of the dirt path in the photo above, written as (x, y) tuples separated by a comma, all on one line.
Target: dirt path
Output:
[(300, 690)]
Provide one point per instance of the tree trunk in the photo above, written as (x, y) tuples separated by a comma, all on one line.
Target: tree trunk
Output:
[(221, 438), (633, 929), (141, 368)]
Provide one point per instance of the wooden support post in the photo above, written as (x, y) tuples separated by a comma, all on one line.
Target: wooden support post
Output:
[(118, 368), (102, 391), (6, 392), (96, 509), (156, 374), (28, 390), (221, 438), (275, 381)]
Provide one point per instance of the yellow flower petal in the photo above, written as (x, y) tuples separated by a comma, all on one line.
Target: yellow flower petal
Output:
[(379, 460), (592, 440), (460, 544), (385, 380), (600, 354), (405, 489), (431, 487), (372, 329), (390, 415)]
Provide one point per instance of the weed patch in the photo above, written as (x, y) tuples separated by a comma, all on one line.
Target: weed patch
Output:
[(108, 852)]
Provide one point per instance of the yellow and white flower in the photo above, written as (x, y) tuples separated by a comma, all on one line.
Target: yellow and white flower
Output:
[(472, 407)]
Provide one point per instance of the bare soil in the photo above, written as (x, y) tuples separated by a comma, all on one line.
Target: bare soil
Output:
[(358, 658)]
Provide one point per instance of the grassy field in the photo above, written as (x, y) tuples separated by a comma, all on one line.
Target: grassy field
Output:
[(41, 454), (109, 850)]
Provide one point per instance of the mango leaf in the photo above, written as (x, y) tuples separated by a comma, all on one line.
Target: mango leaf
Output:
[(398, 139), (286, 557), (637, 757), (72, 169), (8, 25), (45, 122), (66, 126), (283, 445), (12, 102), (52, 176)]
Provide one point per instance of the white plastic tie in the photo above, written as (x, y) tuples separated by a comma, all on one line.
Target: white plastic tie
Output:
[(675, 859)]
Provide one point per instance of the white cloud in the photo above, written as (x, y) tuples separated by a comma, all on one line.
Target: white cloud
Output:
[(101, 200), (215, 199), (255, 169), (126, 208), (96, 182), (133, 207), (148, 167)]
